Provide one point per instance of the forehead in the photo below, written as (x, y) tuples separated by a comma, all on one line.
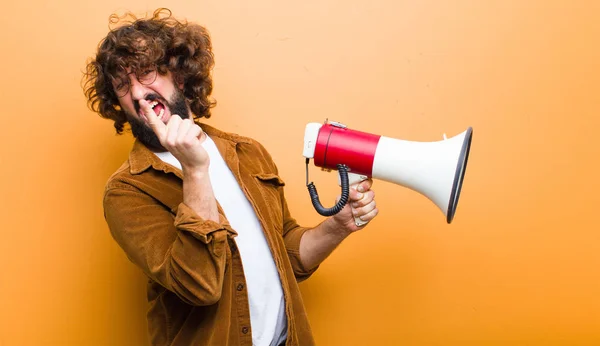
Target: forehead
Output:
[(124, 72)]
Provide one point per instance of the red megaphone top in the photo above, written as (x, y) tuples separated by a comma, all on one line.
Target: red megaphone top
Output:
[(339, 145)]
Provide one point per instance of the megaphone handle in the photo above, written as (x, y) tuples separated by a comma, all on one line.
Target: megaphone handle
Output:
[(355, 179)]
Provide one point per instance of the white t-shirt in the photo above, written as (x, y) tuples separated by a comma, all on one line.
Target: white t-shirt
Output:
[(265, 295)]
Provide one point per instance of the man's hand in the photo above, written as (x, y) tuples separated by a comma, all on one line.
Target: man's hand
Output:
[(361, 204), (182, 139), (179, 136), (318, 243)]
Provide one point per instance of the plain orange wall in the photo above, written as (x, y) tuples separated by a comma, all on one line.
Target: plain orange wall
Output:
[(520, 264)]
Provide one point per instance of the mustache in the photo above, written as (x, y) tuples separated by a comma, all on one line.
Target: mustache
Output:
[(149, 98)]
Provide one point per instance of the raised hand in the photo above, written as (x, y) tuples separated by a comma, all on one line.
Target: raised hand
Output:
[(182, 137)]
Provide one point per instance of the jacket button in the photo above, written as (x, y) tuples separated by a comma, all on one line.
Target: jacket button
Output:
[(240, 287), (245, 330)]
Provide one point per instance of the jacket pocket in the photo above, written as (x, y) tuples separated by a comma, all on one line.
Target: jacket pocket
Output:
[(270, 178), (269, 185)]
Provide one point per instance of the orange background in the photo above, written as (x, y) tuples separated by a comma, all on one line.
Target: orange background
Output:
[(520, 264)]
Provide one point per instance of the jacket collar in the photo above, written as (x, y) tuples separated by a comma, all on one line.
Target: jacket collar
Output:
[(141, 158)]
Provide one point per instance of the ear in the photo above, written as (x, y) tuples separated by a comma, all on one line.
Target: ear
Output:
[(178, 82)]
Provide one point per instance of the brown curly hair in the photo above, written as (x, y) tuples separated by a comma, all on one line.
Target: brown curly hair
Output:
[(160, 42)]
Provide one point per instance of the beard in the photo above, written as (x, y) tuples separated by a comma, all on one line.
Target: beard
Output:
[(140, 130)]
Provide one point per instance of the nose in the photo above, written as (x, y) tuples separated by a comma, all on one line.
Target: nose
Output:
[(138, 90)]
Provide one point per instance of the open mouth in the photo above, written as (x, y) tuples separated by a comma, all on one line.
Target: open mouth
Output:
[(158, 108)]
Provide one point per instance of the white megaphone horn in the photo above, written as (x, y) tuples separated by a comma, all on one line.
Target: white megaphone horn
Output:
[(434, 169)]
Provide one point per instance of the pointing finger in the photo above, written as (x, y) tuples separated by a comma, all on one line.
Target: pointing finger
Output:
[(157, 126)]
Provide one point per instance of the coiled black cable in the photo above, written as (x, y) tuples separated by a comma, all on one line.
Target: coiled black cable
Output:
[(314, 196)]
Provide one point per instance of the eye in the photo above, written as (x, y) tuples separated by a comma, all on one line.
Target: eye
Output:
[(121, 87), (147, 76)]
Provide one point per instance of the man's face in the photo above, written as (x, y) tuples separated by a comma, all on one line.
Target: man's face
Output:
[(166, 98)]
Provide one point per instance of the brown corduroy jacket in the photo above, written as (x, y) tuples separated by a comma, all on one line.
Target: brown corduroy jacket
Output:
[(196, 288)]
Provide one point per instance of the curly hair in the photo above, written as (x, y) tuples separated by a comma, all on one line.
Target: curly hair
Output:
[(160, 42)]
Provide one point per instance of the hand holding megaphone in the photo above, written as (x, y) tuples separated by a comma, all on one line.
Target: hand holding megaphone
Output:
[(434, 169)]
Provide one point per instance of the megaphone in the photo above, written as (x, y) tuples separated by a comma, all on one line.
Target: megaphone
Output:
[(434, 169)]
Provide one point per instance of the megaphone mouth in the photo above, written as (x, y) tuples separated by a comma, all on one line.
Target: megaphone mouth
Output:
[(459, 175)]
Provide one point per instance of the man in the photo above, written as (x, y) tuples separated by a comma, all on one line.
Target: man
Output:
[(200, 211)]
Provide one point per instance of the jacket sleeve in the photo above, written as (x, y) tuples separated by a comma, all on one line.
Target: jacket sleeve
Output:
[(184, 253), (292, 234)]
